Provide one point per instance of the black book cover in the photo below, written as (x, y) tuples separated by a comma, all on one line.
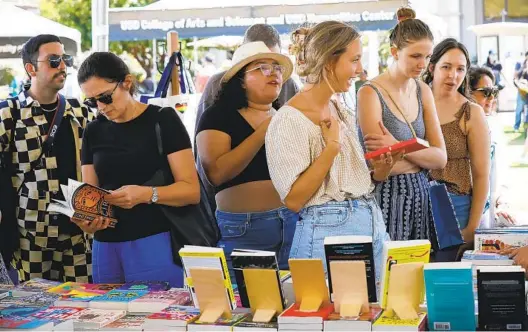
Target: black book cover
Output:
[(502, 303), (251, 261), (353, 252)]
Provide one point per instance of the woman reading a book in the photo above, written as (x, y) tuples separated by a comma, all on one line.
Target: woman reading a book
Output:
[(396, 107), (484, 93), (230, 144), (466, 134), (314, 154), (119, 154)]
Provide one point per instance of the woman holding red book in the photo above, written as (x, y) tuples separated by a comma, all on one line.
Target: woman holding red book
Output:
[(314, 155), (396, 107), (466, 134)]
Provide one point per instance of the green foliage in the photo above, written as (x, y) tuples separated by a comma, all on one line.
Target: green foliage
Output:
[(78, 15)]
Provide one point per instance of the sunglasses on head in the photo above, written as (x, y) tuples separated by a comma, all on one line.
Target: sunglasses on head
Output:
[(488, 92), (54, 60), (105, 98)]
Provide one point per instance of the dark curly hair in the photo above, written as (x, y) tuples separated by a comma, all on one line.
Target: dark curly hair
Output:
[(232, 94)]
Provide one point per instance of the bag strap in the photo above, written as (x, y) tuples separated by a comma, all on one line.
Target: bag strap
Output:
[(163, 85), (397, 107)]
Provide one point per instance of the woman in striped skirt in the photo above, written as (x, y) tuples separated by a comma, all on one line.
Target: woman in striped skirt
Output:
[(396, 106)]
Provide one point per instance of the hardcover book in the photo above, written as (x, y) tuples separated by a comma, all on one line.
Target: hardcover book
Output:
[(408, 146)]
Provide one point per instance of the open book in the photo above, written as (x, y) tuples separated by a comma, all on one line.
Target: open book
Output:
[(83, 202)]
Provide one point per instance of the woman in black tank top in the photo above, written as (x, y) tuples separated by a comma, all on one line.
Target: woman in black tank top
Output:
[(230, 143)]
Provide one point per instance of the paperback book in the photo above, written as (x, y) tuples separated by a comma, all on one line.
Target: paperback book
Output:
[(83, 202)]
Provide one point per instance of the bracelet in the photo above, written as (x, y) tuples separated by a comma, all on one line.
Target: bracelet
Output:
[(337, 141)]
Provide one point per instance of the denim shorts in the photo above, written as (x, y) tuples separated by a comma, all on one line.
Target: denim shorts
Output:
[(462, 207), (350, 217), (270, 230)]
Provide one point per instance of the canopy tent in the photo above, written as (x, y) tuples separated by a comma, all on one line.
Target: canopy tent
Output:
[(18, 25)]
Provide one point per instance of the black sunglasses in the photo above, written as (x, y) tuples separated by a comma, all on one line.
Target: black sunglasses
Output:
[(105, 98), (488, 92), (55, 60)]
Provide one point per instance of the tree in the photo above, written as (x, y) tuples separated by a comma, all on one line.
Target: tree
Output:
[(78, 14)]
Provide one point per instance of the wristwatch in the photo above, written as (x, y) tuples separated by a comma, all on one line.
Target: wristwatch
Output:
[(154, 198)]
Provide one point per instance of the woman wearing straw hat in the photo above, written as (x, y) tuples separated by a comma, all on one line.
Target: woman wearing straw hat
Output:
[(230, 144)]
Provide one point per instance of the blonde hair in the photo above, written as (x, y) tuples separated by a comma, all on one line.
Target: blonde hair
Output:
[(316, 47)]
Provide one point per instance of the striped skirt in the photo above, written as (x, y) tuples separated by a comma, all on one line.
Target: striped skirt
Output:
[(404, 203)]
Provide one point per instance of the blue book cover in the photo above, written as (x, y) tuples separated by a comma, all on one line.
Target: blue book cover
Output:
[(477, 255), (117, 295), (450, 296), (150, 286)]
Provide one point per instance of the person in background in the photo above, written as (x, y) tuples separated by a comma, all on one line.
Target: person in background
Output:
[(257, 32), (387, 107), (484, 92), (118, 155), (207, 71), (363, 78), (51, 246), (230, 143), (314, 155), (466, 135), (521, 82), (495, 66)]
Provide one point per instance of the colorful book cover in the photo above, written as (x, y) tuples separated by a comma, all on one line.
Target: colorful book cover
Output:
[(176, 313), (484, 255), (129, 322), (82, 288), (159, 300), (20, 311), (494, 240), (247, 323), (293, 315), (96, 318), (370, 316), (390, 320), (450, 297), (37, 285), (363, 322), (56, 314), (399, 252), (24, 323), (34, 300), (235, 318), (118, 295), (150, 286)]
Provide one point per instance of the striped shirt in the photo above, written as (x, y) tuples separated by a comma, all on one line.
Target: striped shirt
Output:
[(294, 142)]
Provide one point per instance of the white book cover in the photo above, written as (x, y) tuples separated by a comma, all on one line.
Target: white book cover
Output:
[(96, 318)]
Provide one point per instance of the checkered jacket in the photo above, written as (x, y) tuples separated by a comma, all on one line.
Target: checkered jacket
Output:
[(30, 132)]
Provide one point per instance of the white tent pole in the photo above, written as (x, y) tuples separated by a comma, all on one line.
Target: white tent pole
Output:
[(100, 25)]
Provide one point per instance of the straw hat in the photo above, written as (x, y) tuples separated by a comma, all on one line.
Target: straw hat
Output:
[(250, 52)]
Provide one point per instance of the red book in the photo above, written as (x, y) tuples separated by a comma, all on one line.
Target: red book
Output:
[(412, 145), (293, 315)]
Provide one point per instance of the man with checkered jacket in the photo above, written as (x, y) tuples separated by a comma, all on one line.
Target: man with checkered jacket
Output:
[(51, 246)]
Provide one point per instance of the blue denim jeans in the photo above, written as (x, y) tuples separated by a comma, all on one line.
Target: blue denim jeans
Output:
[(350, 217), (270, 230), (149, 258), (462, 207), (521, 105)]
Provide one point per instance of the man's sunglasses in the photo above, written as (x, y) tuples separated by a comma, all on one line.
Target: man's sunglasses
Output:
[(105, 98), (488, 92), (55, 60)]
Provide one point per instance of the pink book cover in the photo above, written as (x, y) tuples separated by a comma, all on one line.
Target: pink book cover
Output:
[(56, 313), (180, 297), (178, 313)]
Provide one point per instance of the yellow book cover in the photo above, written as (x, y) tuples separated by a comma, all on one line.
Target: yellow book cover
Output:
[(263, 290), (389, 319), (196, 256), (397, 252)]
